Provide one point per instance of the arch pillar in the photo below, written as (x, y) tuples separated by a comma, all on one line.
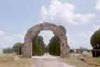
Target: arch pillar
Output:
[(27, 48)]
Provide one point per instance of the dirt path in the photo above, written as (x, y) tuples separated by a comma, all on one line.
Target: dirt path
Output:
[(48, 61)]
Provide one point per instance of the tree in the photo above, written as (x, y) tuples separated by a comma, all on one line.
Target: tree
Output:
[(38, 46), (54, 46), (8, 50), (95, 42), (95, 39), (17, 48)]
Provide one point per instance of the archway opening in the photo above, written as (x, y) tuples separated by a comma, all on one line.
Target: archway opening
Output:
[(46, 42), (47, 35)]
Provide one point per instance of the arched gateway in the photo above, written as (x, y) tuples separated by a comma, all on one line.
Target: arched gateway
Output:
[(34, 31)]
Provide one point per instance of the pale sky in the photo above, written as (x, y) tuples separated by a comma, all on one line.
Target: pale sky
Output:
[(80, 18)]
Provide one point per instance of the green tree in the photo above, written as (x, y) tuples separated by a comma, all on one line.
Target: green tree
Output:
[(95, 42), (54, 46), (17, 48), (95, 39), (8, 50), (38, 46)]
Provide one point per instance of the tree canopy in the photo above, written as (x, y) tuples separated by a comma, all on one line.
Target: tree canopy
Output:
[(54, 46), (95, 38), (8, 50), (17, 47), (38, 46)]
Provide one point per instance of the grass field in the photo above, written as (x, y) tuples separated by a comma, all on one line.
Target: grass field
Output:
[(97, 60), (82, 61), (14, 61), (17, 61)]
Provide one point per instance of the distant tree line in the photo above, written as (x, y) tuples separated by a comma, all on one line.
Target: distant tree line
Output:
[(8, 50), (15, 49)]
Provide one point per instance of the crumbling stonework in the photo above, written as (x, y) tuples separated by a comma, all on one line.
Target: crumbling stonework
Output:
[(34, 31)]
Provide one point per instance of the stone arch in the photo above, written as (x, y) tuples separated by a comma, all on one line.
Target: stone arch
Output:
[(34, 31)]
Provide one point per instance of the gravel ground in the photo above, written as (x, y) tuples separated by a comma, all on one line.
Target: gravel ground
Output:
[(48, 61)]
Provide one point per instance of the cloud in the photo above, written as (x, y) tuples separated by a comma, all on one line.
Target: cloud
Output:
[(84, 18), (64, 13), (2, 33), (98, 5), (8, 40), (79, 25), (55, 9)]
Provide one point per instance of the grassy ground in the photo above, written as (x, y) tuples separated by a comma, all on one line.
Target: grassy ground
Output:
[(75, 62), (14, 61), (82, 61), (97, 60)]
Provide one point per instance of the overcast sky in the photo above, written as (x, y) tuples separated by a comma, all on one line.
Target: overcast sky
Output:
[(80, 18)]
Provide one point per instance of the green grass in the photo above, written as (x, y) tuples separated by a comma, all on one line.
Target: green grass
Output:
[(97, 60)]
